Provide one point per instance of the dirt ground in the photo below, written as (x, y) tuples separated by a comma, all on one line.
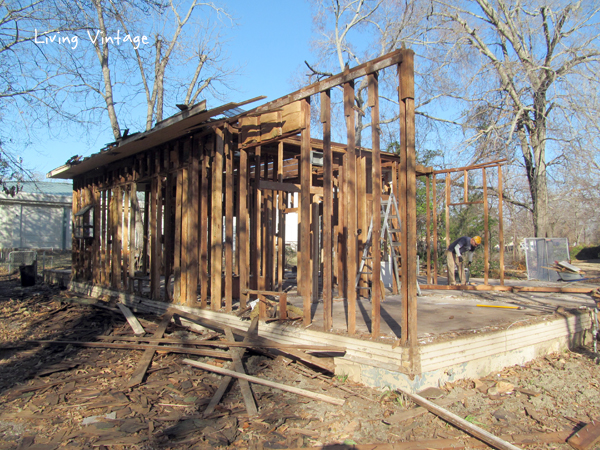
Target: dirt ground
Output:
[(65, 396)]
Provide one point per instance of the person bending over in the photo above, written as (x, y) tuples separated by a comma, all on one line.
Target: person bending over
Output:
[(455, 254)]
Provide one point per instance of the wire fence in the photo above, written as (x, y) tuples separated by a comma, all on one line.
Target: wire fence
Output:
[(12, 259)]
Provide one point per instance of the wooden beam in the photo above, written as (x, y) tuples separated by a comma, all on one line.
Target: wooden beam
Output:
[(287, 187), (486, 237), (428, 227), (135, 324), (304, 274), (242, 225), (229, 201), (185, 230), (125, 238), (350, 195), (177, 242), (435, 230), (216, 217), (316, 249), (283, 387), (134, 213), (169, 233), (409, 235), (475, 166), (347, 76), (376, 290), (193, 233), (460, 422), (239, 367), (501, 225), (281, 197), (328, 212), (323, 363), (448, 186), (138, 375), (117, 213), (204, 226)]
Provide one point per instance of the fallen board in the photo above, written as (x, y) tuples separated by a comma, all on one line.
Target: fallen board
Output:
[(256, 380)]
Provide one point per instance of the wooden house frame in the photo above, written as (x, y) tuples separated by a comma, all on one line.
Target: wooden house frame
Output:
[(216, 192)]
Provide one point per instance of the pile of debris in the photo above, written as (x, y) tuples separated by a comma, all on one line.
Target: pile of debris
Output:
[(566, 271)]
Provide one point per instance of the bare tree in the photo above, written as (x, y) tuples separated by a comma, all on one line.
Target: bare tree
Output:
[(30, 92), (145, 63), (519, 61)]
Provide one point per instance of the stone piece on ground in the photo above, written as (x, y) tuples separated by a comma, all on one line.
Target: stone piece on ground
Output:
[(432, 393)]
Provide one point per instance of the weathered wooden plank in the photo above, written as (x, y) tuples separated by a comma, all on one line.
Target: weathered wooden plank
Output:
[(304, 273), (168, 253), (216, 217), (435, 229), (501, 226), (147, 216), (323, 363), (177, 242), (227, 379), (131, 319), (229, 201), (474, 166), (125, 233), (134, 212), (280, 221), (204, 227), (376, 291), (316, 249), (97, 236), (486, 242), (328, 212), (185, 231), (117, 220), (409, 271), (350, 195), (461, 423), (264, 382), (242, 225), (448, 241), (193, 233), (428, 227), (157, 241), (336, 80), (138, 375)]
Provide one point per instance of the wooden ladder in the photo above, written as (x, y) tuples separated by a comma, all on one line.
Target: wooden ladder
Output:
[(389, 213)]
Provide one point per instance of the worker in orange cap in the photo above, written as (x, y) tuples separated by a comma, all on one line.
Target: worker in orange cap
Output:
[(455, 254)]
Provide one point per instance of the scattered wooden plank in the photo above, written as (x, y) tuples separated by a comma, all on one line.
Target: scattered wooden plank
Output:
[(296, 354), (146, 360), (133, 322), (419, 411), (586, 437), (227, 344), (239, 367), (145, 347), (461, 423), (227, 379), (267, 383)]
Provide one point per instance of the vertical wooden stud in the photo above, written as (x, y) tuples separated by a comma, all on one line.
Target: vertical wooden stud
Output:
[(216, 263), (486, 237), (376, 293), (229, 201), (435, 228), (351, 234), (305, 184), (242, 225), (327, 211), (501, 226)]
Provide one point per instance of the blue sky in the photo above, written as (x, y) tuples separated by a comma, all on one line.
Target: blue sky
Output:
[(272, 41)]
